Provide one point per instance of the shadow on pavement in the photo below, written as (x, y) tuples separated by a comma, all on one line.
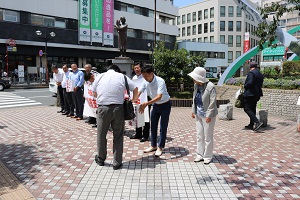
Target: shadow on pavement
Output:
[(2, 127), (222, 159), (24, 161)]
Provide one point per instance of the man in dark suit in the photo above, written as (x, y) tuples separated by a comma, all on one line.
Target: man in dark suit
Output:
[(253, 92)]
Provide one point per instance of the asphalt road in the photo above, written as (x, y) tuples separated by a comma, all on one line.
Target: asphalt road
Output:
[(12, 98)]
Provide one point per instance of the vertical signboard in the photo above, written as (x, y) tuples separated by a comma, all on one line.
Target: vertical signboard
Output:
[(246, 42), (84, 21), (108, 22), (97, 20)]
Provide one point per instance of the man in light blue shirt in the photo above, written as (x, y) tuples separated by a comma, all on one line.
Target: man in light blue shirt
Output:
[(160, 98), (78, 78)]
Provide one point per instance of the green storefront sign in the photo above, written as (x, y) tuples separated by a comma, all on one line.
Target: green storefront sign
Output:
[(280, 50), (97, 22)]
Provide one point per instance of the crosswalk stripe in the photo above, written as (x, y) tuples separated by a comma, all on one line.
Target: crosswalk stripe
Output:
[(10, 100), (18, 105)]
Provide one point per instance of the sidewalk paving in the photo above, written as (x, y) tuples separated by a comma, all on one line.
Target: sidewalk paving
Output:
[(53, 157)]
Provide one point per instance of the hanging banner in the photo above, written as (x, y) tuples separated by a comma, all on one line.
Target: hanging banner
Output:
[(97, 16), (84, 21), (108, 22), (246, 42)]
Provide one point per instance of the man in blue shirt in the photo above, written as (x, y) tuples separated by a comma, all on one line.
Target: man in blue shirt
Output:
[(157, 90), (77, 78)]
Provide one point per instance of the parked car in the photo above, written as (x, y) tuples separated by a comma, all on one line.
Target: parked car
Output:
[(4, 84), (52, 84)]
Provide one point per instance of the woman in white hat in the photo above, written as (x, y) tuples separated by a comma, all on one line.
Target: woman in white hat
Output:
[(205, 110)]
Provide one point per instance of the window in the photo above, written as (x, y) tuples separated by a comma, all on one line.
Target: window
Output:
[(230, 11), (230, 40), (205, 39), (222, 25), (194, 16), (188, 31), (178, 20), (230, 55), (238, 11), (130, 33), (183, 19), (60, 23), (212, 12), (49, 21), (178, 32), (199, 39), (194, 40), (151, 14), (130, 9), (222, 39), (205, 27), (150, 36), (212, 38), (183, 32), (222, 11), (199, 28), (1, 15), (11, 16), (237, 54), (212, 26), (194, 29), (239, 26), (200, 15), (137, 10), (188, 18), (206, 14), (230, 25), (238, 41), (123, 7), (36, 20), (246, 27)]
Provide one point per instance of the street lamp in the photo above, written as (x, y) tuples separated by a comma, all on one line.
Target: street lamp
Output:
[(52, 34), (149, 45)]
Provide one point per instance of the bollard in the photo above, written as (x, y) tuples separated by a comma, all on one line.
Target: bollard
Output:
[(226, 112), (262, 116)]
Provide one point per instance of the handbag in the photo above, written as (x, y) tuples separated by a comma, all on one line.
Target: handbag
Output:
[(239, 102), (128, 107)]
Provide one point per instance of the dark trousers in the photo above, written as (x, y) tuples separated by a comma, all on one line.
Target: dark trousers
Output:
[(69, 106), (112, 115), (161, 111), (78, 102), (250, 108), (61, 97)]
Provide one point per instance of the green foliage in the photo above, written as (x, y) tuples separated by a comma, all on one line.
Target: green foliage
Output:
[(280, 83), (291, 68), (182, 95), (173, 65), (271, 72), (266, 30)]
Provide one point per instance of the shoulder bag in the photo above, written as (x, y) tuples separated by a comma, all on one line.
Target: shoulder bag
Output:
[(128, 107), (239, 103)]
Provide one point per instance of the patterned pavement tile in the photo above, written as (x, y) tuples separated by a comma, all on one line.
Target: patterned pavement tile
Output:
[(52, 155)]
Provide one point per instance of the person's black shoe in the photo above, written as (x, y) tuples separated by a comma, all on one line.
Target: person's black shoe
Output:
[(117, 167), (144, 139), (60, 111), (91, 122), (249, 127), (135, 137), (257, 126), (87, 121), (65, 113), (99, 161), (94, 126)]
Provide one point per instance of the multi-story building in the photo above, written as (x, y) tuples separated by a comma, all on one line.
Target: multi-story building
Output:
[(35, 24), (218, 21)]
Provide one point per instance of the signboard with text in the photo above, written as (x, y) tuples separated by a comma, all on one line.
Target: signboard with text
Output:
[(108, 22), (84, 21), (97, 8), (247, 42)]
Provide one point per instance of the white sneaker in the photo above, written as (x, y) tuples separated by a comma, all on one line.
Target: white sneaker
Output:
[(207, 161), (150, 149), (198, 158), (158, 152)]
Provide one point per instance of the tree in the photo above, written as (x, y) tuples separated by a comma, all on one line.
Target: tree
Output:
[(267, 30), (173, 65)]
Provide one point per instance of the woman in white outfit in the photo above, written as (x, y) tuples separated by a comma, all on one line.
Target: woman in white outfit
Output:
[(205, 110)]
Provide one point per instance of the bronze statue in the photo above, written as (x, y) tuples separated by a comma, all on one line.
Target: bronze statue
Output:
[(121, 27)]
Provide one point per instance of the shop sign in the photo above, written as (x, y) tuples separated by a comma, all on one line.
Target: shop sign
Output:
[(108, 22), (97, 8), (269, 51)]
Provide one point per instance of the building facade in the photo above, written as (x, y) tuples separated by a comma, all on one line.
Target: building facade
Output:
[(52, 26), (218, 21)]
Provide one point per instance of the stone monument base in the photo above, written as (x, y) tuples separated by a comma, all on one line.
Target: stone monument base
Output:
[(262, 116), (226, 112), (125, 64)]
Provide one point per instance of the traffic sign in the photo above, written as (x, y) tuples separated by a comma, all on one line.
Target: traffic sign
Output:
[(11, 42), (10, 48), (41, 53)]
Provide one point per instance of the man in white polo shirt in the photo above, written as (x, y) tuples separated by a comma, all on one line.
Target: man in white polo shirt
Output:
[(109, 90), (160, 98), (58, 78)]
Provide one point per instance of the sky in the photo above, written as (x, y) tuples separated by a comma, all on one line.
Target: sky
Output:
[(181, 3)]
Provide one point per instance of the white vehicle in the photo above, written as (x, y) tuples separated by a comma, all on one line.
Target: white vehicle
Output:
[(52, 84)]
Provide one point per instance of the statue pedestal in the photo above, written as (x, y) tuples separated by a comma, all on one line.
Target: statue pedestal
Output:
[(125, 64)]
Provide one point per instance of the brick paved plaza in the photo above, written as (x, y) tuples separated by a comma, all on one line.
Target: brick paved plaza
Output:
[(50, 156)]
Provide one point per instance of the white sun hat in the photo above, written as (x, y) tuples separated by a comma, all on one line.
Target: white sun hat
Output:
[(199, 74)]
